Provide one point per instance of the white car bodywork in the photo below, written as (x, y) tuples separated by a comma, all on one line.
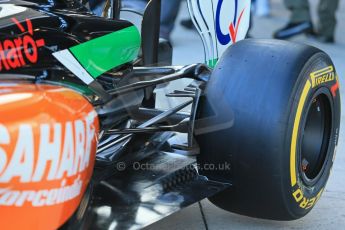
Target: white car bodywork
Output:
[(220, 23)]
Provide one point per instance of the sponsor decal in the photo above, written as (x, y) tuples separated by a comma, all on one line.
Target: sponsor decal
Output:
[(64, 151), (47, 154), (20, 51), (231, 36), (322, 76), (38, 198), (304, 202)]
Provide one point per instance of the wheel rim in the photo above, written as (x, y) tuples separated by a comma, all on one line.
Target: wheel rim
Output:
[(316, 138)]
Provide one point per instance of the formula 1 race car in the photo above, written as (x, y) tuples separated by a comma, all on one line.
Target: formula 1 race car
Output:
[(84, 146)]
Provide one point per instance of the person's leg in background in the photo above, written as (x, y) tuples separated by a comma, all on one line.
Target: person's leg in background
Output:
[(137, 5), (327, 20), (299, 9), (170, 9), (262, 8), (300, 19), (96, 6)]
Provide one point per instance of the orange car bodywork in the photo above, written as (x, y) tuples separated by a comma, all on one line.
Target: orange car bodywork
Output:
[(48, 141)]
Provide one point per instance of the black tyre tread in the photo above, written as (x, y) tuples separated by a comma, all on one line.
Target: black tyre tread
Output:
[(263, 79)]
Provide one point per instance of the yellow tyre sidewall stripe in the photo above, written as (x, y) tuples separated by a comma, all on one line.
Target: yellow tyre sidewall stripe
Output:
[(295, 131)]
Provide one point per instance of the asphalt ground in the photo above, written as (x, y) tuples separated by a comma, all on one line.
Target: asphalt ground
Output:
[(329, 213)]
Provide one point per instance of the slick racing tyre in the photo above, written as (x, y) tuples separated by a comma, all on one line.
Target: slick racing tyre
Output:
[(271, 111)]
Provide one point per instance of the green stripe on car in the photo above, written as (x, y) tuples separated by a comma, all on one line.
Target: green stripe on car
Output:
[(212, 63), (104, 53)]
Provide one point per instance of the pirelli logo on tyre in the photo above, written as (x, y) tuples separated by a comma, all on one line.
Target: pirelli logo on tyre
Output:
[(303, 201), (317, 78), (322, 76)]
